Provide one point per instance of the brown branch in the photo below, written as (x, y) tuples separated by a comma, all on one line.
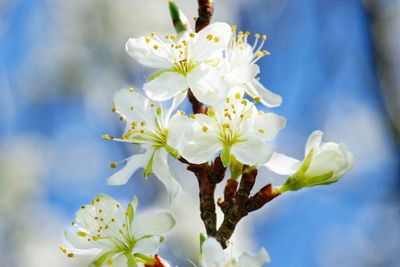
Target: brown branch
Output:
[(206, 11), (262, 197)]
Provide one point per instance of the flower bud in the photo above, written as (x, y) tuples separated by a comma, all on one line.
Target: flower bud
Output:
[(324, 164)]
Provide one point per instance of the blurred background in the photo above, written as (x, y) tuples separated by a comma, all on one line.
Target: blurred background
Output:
[(336, 64)]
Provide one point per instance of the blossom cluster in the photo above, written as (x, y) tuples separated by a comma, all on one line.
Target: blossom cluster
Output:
[(216, 67)]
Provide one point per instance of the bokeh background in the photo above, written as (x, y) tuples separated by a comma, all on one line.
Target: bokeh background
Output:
[(335, 62)]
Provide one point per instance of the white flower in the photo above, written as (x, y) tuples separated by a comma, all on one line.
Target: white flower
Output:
[(151, 127), (186, 61), (213, 256), (115, 236), (236, 127), (324, 163), (241, 70)]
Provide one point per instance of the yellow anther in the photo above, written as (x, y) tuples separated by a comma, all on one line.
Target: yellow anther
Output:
[(155, 47), (121, 118), (108, 137), (113, 109), (82, 207), (216, 39), (244, 102), (81, 233), (131, 89), (226, 125), (234, 27), (261, 131), (261, 113), (257, 35), (228, 100), (142, 131), (265, 52), (63, 249), (264, 37), (147, 39), (70, 255), (143, 123), (152, 104), (153, 34), (185, 42), (181, 112), (247, 33), (109, 261), (257, 99), (113, 165), (117, 205), (192, 116), (237, 95), (209, 37), (192, 35), (205, 129)]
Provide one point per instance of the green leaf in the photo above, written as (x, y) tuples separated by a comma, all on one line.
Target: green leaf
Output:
[(225, 155), (149, 166), (178, 18), (144, 259)]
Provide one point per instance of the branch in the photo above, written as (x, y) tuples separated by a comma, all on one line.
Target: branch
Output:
[(206, 11)]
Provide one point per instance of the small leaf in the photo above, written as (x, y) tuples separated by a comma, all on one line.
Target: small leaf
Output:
[(179, 19), (203, 238), (225, 155), (236, 168)]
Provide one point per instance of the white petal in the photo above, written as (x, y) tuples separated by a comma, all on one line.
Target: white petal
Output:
[(282, 164), (178, 99), (80, 242), (326, 161), (313, 141), (165, 86), (179, 126), (202, 145), (253, 151), (163, 173), (135, 162), (268, 98), (213, 254), (268, 125), (204, 49), (147, 246), (130, 104), (247, 260), (146, 55), (153, 224), (243, 74), (207, 84)]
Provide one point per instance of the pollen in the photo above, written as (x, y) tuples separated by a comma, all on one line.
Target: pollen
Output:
[(264, 37), (63, 249), (205, 129), (108, 137), (132, 89), (153, 34), (257, 35), (109, 261), (192, 35), (113, 165), (257, 99), (244, 102), (113, 109), (143, 123), (209, 37), (70, 255), (81, 233), (147, 39), (192, 116), (234, 27), (237, 95), (261, 131), (155, 47), (216, 39)]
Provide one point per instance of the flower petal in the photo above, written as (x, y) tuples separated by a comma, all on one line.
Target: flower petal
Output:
[(179, 127), (243, 74), (130, 104), (152, 224), (314, 141), (212, 253), (162, 171), (247, 260), (253, 151), (147, 245), (282, 164), (268, 125), (165, 86), (207, 84), (268, 98), (145, 53), (134, 162), (213, 38)]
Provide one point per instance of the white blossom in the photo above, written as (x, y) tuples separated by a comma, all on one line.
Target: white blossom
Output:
[(150, 127), (324, 163), (187, 60), (240, 68), (213, 256), (234, 127), (115, 236)]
